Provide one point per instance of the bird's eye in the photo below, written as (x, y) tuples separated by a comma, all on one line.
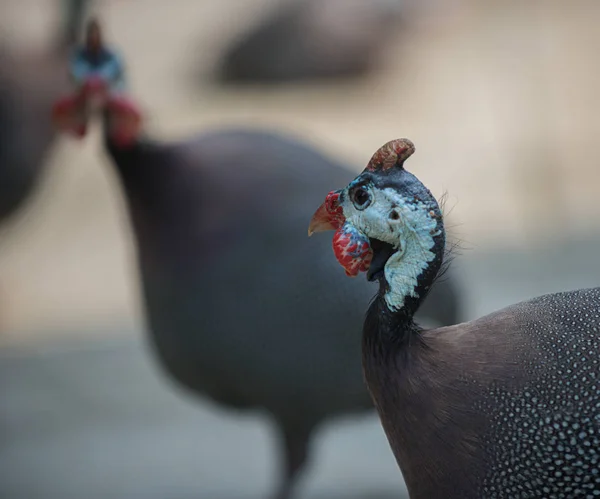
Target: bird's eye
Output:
[(361, 198)]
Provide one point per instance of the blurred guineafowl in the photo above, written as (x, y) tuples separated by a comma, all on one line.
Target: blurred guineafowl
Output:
[(239, 305), (304, 40), (240, 308), (29, 84), (506, 406)]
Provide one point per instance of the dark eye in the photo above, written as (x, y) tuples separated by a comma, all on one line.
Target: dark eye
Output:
[(361, 198)]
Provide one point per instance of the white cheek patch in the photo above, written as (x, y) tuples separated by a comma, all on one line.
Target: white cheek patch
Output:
[(413, 231)]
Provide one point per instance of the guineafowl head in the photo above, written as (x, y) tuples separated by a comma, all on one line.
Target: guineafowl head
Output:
[(389, 225)]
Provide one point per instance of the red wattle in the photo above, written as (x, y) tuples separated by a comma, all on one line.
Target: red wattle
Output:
[(352, 250)]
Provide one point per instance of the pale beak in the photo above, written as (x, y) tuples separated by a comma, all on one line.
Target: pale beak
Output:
[(321, 221)]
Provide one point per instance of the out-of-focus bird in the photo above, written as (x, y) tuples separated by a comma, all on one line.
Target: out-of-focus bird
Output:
[(305, 40), (505, 406), (240, 306), (30, 82)]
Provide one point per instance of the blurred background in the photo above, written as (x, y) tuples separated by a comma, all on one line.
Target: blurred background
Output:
[(500, 98)]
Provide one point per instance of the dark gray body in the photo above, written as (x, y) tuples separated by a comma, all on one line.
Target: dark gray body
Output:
[(30, 83), (27, 90), (504, 407), (242, 306)]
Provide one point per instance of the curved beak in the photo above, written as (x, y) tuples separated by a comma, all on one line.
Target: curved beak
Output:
[(321, 221)]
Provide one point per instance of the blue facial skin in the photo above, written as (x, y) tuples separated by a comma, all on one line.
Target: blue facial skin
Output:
[(401, 220)]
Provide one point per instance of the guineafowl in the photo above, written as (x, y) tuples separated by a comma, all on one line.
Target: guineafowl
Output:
[(506, 406), (304, 40), (29, 84), (229, 281)]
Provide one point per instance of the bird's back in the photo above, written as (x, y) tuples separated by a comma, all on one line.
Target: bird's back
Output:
[(506, 406), (553, 418)]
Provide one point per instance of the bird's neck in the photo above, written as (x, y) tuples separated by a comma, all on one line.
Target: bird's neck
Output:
[(411, 271), (156, 182), (408, 278), (387, 329), (142, 172), (146, 181), (391, 338)]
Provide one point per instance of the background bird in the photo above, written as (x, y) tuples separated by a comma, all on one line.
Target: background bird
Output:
[(240, 307), (521, 172), (505, 406), (30, 82), (304, 40)]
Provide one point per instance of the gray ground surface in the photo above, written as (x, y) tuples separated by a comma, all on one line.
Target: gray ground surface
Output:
[(97, 421)]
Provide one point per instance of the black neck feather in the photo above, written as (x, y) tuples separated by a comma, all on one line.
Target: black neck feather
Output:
[(146, 170), (162, 186), (140, 166), (384, 329)]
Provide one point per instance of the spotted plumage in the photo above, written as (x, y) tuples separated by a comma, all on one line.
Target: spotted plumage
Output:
[(554, 419), (238, 302), (503, 407)]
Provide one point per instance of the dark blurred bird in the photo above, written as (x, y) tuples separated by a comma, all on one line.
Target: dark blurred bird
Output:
[(505, 406), (30, 82), (240, 307), (306, 40)]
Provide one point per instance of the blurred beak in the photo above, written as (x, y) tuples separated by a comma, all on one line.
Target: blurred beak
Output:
[(321, 221)]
